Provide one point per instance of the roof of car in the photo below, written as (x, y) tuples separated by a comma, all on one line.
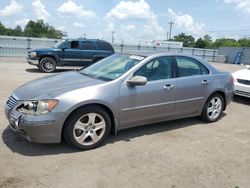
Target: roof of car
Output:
[(84, 39)]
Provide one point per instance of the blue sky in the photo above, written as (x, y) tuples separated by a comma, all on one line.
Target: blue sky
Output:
[(133, 20)]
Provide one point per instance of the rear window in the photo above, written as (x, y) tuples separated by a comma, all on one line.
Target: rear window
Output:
[(105, 46)]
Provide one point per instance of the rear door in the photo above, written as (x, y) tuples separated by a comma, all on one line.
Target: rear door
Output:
[(192, 85), (153, 102), (88, 52)]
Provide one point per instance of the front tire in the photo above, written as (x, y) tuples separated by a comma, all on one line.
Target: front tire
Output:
[(213, 108), (87, 127), (47, 64)]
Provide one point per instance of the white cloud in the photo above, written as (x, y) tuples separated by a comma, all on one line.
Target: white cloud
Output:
[(241, 5), (130, 9), (186, 23), (22, 22), (77, 24), (135, 15), (61, 28), (41, 12), (12, 9), (70, 7), (130, 27)]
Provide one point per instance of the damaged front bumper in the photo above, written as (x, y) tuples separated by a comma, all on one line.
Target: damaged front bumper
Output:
[(38, 129)]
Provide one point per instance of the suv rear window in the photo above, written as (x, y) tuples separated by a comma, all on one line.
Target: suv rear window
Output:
[(105, 46)]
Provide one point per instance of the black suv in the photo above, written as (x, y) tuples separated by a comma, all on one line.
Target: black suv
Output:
[(70, 52)]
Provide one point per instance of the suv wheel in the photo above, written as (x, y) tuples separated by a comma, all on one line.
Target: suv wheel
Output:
[(213, 108), (87, 127), (47, 64)]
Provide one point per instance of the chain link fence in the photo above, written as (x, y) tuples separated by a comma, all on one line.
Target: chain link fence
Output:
[(19, 46)]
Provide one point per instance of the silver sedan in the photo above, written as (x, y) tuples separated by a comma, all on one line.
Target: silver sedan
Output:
[(118, 92)]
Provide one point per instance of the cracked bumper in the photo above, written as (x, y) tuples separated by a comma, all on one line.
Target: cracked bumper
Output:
[(38, 129)]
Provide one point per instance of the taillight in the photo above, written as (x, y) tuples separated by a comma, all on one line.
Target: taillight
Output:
[(232, 80)]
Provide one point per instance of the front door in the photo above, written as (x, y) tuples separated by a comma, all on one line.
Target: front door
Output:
[(153, 102), (72, 54)]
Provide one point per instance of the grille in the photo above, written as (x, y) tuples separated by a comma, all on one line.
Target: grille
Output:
[(12, 101), (246, 82)]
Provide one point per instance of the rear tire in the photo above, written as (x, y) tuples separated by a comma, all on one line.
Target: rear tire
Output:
[(47, 64), (87, 127), (213, 108)]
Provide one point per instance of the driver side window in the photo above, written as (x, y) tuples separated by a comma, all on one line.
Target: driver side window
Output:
[(158, 69)]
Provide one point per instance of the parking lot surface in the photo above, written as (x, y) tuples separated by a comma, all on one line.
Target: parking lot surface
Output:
[(182, 153)]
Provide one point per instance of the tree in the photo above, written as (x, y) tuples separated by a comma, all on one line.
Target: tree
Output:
[(2, 29), (208, 40), (41, 30), (201, 43), (245, 42), (18, 31), (226, 43), (188, 40)]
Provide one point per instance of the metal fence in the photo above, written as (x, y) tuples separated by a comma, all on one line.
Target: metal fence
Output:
[(19, 46), (238, 55)]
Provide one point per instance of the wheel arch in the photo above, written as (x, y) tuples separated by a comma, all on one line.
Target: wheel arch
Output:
[(48, 55), (114, 126)]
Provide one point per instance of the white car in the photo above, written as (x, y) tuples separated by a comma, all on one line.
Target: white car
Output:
[(242, 82)]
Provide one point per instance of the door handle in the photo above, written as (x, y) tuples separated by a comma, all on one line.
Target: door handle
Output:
[(168, 86), (205, 82)]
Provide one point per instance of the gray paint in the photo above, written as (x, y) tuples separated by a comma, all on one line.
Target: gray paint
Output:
[(131, 106)]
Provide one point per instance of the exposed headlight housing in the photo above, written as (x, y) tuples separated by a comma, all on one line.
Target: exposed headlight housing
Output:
[(33, 54), (37, 107)]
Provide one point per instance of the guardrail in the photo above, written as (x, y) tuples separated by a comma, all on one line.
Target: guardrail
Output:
[(19, 46)]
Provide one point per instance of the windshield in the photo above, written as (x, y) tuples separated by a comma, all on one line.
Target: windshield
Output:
[(59, 44), (112, 67)]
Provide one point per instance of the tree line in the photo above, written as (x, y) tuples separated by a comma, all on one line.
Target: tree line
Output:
[(207, 41), (32, 29), (43, 30)]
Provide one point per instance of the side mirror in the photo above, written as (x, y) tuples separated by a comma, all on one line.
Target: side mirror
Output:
[(137, 81)]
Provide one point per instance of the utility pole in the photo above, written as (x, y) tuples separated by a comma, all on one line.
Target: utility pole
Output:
[(113, 37), (170, 28), (84, 36)]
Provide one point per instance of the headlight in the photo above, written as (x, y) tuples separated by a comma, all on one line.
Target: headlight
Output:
[(37, 107), (32, 54)]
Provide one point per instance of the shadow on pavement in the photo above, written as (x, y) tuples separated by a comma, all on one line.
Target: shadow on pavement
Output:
[(241, 100), (18, 144), (36, 70)]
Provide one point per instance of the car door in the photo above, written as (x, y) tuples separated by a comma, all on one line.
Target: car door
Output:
[(88, 51), (71, 53), (192, 85), (152, 102)]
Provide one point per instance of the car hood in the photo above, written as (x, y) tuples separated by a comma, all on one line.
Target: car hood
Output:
[(54, 85), (242, 74)]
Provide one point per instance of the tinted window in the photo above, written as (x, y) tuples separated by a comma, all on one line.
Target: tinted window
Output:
[(190, 67), (87, 46), (71, 44), (105, 46), (158, 69)]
